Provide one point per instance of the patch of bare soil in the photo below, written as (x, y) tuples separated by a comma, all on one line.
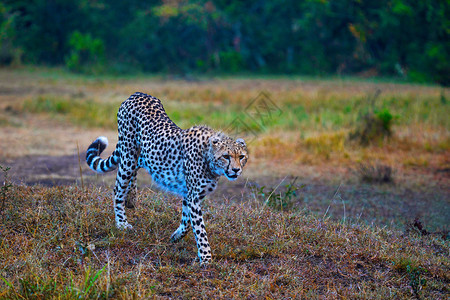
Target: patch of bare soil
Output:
[(45, 170)]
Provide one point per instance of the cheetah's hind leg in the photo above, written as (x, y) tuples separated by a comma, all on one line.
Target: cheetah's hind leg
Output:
[(184, 224), (125, 174), (130, 201)]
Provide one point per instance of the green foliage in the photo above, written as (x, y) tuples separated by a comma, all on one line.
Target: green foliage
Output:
[(34, 287), (403, 38), (230, 61), (9, 53), (385, 119), (87, 53), (40, 287), (90, 280)]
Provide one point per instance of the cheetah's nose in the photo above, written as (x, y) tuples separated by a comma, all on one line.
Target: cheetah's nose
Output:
[(235, 170)]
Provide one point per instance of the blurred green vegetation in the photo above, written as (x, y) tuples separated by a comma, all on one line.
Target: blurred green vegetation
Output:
[(306, 114), (403, 38), (84, 113)]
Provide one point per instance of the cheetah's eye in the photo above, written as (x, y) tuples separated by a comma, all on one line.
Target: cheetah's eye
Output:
[(241, 157), (226, 156)]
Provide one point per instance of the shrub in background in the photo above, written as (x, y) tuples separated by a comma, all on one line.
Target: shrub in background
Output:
[(374, 125), (375, 173), (87, 53)]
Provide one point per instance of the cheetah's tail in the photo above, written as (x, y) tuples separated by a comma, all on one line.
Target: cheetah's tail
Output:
[(98, 164)]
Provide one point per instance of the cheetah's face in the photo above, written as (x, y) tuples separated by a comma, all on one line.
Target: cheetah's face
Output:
[(227, 157)]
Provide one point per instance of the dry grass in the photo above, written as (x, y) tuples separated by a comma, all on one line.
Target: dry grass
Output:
[(61, 243)]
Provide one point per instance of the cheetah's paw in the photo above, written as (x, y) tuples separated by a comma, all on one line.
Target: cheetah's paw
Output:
[(124, 225), (176, 236)]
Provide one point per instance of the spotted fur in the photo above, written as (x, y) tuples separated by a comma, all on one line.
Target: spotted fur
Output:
[(187, 162)]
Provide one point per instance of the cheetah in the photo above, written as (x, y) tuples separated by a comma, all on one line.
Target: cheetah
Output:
[(186, 162)]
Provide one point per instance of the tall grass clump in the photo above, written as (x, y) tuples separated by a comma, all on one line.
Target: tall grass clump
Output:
[(374, 125)]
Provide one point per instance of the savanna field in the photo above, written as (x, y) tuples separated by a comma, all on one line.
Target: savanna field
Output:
[(346, 193)]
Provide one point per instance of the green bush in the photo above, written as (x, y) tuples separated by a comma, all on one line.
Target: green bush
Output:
[(87, 53), (230, 61), (385, 119)]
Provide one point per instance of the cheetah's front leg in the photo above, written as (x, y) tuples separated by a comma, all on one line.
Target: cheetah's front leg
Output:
[(204, 250)]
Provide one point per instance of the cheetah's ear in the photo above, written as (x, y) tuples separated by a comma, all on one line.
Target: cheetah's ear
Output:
[(241, 142)]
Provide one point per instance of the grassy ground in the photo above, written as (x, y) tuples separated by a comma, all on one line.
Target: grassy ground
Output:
[(52, 248), (317, 213)]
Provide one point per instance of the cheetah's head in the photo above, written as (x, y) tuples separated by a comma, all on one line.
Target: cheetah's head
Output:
[(226, 156)]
